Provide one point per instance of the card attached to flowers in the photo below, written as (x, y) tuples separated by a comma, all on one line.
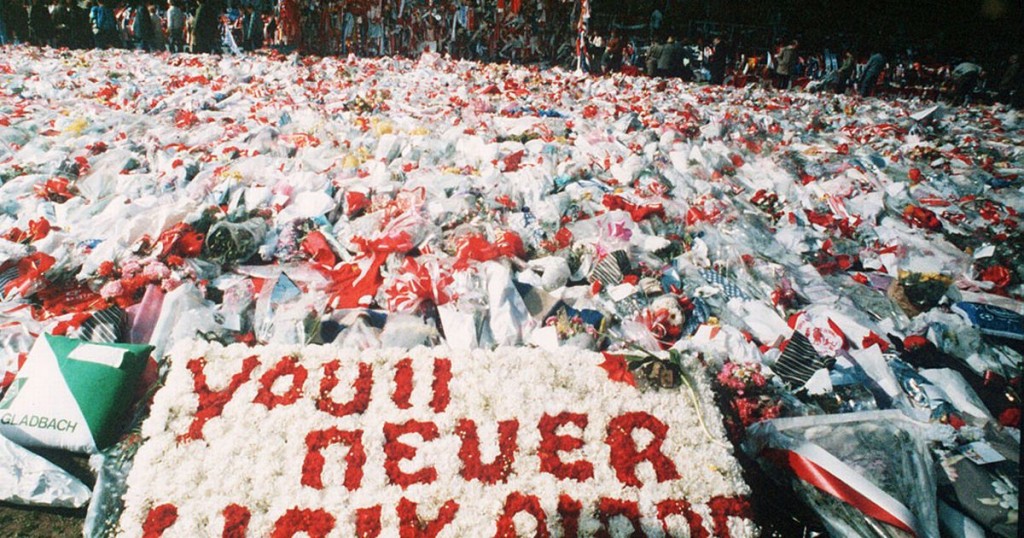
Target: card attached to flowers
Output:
[(326, 441)]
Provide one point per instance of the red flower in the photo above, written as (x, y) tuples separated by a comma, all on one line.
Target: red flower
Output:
[(920, 217), (998, 275), (185, 118), (915, 341), (158, 520), (513, 160), (625, 456), (517, 503), (395, 451), (411, 525), (551, 444), (723, 507), (211, 403), (180, 241), (106, 269), (609, 508), (618, 369), (473, 467), (563, 237), (236, 521), (56, 190), (313, 464), (362, 385), (368, 522), (286, 366), (314, 523)]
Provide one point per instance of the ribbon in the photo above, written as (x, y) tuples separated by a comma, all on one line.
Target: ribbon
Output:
[(814, 465), (30, 270)]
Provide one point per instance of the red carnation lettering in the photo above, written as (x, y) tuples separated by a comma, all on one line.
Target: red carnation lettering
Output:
[(551, 444), (368, 522), (724, 507), (410, 525), (211, 403), (285, 367), (442, 378), (158, 520), (396, 451), (469, 453), (680, 507), (516, 503), (569, 510), (404, 384), (362, 386), (236, 521), (313, 465), (609, 508), (624, 454), (315, 523)]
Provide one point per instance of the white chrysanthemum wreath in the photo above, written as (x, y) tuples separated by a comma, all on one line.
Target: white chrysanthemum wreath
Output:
[(276, 440)]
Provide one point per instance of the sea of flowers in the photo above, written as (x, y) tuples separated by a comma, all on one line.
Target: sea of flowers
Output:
[(394, 203), (469, 439)]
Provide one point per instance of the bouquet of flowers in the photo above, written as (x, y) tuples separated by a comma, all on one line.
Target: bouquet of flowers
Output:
[(746, 395), (865, 474)]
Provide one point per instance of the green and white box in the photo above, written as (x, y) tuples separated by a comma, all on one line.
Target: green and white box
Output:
[(72, 394)]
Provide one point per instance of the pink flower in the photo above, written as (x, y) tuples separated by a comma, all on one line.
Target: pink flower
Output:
[(171, 283), (130, 268), (112, 289), (156, 271)]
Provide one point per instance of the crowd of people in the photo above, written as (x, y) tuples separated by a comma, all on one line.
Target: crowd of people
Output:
[(959, 81), (520, 32), (151, 25), (545, 31)]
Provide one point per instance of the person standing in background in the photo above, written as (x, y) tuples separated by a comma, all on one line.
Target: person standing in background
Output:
[(253, 30), (206, 35), (61, 24), (175, 27), (16, 20), (104, 25), (653, 54), (873, 70), (270, 28), (79, 27), (40, 24), (845, 72), (612, 59), (142, 27), (719, 59), (159, 38), (786, 64)]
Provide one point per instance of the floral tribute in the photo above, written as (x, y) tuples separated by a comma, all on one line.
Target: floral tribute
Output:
[(323, 441)]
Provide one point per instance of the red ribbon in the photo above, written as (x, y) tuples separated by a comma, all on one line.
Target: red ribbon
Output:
[(818, 477)]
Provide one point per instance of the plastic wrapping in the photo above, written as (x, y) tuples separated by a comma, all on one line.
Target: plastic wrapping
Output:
[(28, 479), (234, 242), (854, 464)]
